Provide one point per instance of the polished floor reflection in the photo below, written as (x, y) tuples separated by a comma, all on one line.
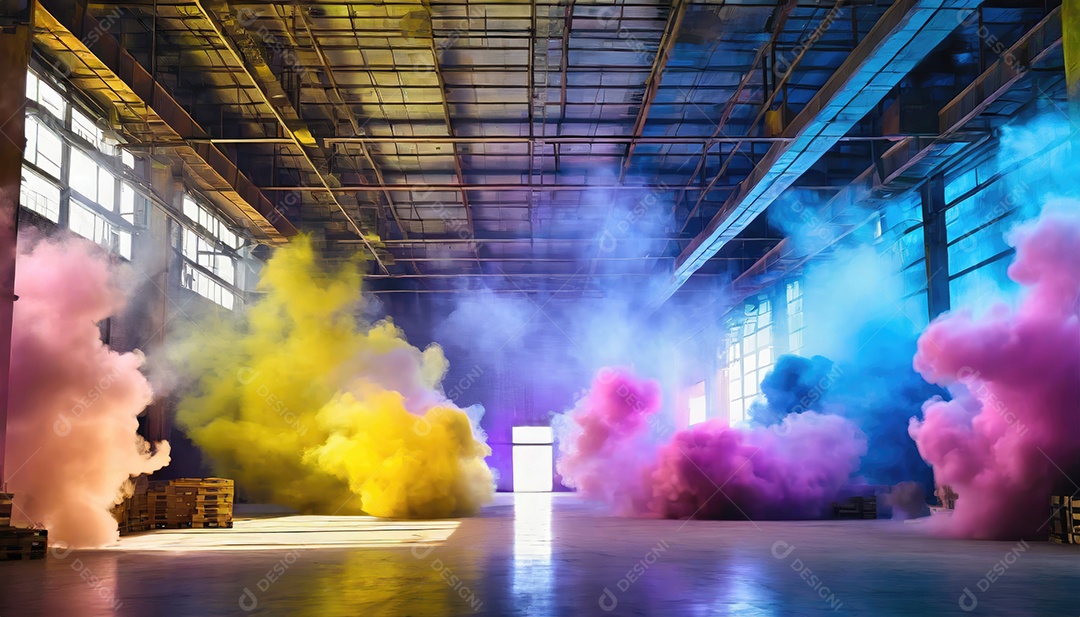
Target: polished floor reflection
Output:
[(548, 556)]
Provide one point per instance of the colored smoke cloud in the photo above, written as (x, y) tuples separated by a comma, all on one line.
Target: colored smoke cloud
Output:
[(791, 470), (876, 391), (1011, 432), (337, 415), (74, 402)]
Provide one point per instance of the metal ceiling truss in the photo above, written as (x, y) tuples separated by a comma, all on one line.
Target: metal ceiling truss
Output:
[(502, 133)]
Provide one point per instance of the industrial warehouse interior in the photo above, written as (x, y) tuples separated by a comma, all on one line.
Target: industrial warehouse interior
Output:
[(422, 308)]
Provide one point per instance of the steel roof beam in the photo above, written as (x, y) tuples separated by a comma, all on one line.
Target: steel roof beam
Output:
[(905, 34), (100, 66), (999, 78), (299, 135), (450, 131), (652, 85), (344, 111)]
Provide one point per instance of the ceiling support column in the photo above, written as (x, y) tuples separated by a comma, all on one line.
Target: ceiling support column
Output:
[(15, 19), (936, 241), (1070, 28)]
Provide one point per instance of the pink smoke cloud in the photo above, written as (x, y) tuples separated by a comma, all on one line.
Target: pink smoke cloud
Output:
[(1012, 431), (74, 403), (791, 470), (605, 450)]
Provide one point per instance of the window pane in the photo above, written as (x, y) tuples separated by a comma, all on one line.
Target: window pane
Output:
[(83, 175), (84, 127), (40, 195), (81, 220), (125, 244), (106, 190), (47, 97), (127, 202), (750, 363), (765, 357), (191, 210), (43, 147)]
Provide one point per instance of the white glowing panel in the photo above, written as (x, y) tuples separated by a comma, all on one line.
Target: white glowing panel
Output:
[(697, 410), (532, 469), (533, 435)]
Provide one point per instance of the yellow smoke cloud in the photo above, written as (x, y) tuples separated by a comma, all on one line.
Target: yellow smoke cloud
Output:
[(306, 406)]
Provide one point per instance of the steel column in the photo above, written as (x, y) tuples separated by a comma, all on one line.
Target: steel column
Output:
[(15, 49), (936, 241)]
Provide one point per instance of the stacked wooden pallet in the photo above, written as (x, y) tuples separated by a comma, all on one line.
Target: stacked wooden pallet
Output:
[(17, 543), (133, 513), (1064, 519), (856, 507), (170, 508), (191, 502), (5, 509), (138, 514), (213, 501)]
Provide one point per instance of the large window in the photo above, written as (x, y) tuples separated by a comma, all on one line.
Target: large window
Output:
[(92, 181), (977, 227), (698, 407), (749, 357), (210, 244), (795, 321), (44, 148), (206, 286), (85, 127), (903, 241), (59, 134), (86, 221), (47, 97), (40, 194)]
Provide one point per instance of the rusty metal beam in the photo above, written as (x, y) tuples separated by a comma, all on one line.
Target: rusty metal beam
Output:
[(524, 186), (538, 140), (564, 62), (656, 74), (301, 137), (450, 131), (784, 258), (782, 14), (902, 37), (344, 110)]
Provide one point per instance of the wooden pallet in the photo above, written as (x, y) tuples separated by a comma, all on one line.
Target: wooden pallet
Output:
[(170, 525), (218, 484), (191, 503), (18, 544), (5, 509), (211, 523), (1064, 519)]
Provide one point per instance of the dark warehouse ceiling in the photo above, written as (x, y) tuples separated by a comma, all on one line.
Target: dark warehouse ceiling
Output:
[(554, 146)]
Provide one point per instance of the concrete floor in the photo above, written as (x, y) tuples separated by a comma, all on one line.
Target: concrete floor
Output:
[(547, 556)]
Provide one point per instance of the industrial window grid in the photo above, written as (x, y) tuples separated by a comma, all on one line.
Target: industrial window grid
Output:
[(208, 249), (65, 149), (750, 356), (984, 199), (795, 320)]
